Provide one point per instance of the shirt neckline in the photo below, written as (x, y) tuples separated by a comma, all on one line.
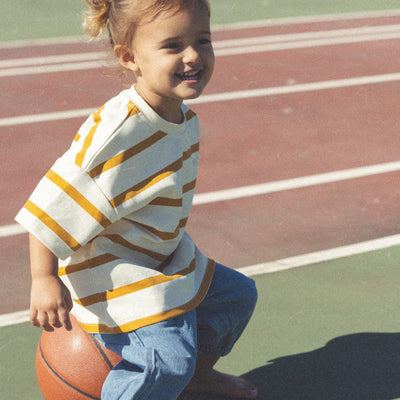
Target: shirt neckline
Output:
[(152, 116)]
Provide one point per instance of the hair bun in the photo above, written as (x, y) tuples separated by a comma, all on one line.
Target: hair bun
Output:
[(95, 19)]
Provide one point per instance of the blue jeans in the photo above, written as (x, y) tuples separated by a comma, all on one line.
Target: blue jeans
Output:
[(159, 360)]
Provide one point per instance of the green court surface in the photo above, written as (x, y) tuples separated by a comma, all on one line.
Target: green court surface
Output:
[(22, 19), (328, 331)]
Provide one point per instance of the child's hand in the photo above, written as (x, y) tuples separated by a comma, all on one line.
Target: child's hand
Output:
[(50, 303)]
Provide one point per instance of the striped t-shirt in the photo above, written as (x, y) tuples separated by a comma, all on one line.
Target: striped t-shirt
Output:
[(114, 207)]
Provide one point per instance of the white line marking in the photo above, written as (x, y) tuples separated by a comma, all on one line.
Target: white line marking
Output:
[(306, 44), (46, 117), (223, 27), (306, 19), (15, 44), (11, 230), (61, 58), (321, 256), (301, 36), (265, 188), (93, 60), (46, 69), (220, 44), (14, 318), (270, 267), (227, 96), (295, 183), (303, 87)]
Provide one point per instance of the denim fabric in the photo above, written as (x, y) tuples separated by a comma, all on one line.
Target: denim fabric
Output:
[(159, 360)]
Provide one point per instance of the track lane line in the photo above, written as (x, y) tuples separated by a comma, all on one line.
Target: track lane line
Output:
[(271, 267), (93, 60), (59, 58), (308, 35), (218, 44), (264, 188), (241, 25), (307, 19), (218, 97), (11, 230), (14, 318), (46, 117), (307, 44), (321, 256), (295, 183)]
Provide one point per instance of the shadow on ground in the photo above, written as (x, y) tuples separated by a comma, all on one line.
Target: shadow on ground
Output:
[(363, 366)]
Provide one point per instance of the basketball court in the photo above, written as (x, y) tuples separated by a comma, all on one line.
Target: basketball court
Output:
[(298, 187)]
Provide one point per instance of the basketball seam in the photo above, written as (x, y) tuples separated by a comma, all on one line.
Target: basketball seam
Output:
[(62, 379), (101, 351)]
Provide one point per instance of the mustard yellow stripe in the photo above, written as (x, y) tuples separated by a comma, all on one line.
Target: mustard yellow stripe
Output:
[(123, 242), (193, 149), (166, 263), (163, 316), (89, 138), (134, 287), (82, 201), (132, 110), (166, 235), (52, 225), (189, 186), (168, 202), (87, 264), (125, 155), (147, 183), (155, 178), (189, 115)]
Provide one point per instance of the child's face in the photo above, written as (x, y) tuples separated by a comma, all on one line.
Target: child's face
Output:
[(172, 58)]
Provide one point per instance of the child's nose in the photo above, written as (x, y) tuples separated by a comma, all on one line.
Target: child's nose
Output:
[(191, 55)]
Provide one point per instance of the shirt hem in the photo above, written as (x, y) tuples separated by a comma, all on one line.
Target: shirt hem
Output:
[(163, 316)]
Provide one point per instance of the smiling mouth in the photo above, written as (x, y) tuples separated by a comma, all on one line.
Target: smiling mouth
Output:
[(190, 76)]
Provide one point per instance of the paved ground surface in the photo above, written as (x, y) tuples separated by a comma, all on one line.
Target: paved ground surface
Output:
[(329, 331), (324, 331)]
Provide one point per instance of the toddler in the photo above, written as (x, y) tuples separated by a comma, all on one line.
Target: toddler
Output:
[(107, 222)]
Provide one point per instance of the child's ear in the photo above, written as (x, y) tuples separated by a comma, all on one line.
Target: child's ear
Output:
[(125, 57)]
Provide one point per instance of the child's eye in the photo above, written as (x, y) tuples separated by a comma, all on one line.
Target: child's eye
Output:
[(172, 46), (205, 41)]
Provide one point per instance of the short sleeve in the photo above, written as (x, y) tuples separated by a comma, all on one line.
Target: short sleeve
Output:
[(67, 209)]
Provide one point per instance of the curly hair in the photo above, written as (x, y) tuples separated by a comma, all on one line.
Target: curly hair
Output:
[(122, 17)]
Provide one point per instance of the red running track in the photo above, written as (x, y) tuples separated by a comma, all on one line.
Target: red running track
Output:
[(244, 142)]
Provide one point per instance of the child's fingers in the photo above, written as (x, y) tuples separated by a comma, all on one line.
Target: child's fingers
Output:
[(68, 301), (53, 318), (65, 321), (33, 317), (44, 321)]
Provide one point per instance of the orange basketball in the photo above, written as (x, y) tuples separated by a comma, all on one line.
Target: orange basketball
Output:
[(71, 365)]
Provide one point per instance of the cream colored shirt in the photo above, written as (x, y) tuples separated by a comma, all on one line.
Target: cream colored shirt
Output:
[(114, 207)]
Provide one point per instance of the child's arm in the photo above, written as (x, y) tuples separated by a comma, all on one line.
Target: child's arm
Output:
[(50, 299)]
